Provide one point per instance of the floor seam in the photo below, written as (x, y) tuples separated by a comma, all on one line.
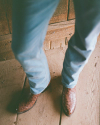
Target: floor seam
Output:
[(60, 116), (16, 120), (7, 16), (21, 92)]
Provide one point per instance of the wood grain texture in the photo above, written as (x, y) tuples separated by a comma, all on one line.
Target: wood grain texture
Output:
[(11, 84), (64, 24), (71, 11), (6, 37), (5, 46), (6, 51), (3, 20), (6, 56), (59, 15), (61, 12), (48, 107), (8, 8), (58, 35)]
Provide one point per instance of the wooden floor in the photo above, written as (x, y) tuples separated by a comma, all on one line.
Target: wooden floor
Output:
[(48, 110)]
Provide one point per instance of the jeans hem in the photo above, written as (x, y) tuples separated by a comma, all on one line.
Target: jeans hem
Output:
[(35, 93)]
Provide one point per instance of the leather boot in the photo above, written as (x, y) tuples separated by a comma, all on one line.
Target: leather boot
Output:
[(27, 101), (69, 100)]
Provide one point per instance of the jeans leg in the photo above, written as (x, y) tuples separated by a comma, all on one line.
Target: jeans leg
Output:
[(82, 43), (29, 26)]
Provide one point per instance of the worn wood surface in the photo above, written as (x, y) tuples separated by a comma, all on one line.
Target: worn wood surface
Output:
[(58, 35), (48, 108), (61, 12), (11, 83), (4, 29), (71, 11), (8, 9), (6, 14)]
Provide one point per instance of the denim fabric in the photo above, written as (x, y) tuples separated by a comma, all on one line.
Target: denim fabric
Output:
[(82, 43), (29, 26)]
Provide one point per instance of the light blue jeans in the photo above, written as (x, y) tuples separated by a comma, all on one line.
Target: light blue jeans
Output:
[(29, 26)]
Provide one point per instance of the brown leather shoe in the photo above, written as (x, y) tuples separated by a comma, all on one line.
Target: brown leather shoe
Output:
[(69, 100), (27, 101)]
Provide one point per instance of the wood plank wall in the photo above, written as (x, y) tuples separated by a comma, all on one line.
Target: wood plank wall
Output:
[(64, 12)]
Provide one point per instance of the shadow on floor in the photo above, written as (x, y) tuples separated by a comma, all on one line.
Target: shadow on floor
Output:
[(54, 90)]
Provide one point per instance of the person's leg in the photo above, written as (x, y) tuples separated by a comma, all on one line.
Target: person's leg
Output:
[(29, 26), (82, 43), (80, 47)]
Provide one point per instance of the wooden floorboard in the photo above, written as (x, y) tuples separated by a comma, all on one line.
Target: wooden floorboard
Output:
[(71, 11), (4, 29), (48, 107), (61, 12), (8, 9), (11, 83), (58, 35)]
